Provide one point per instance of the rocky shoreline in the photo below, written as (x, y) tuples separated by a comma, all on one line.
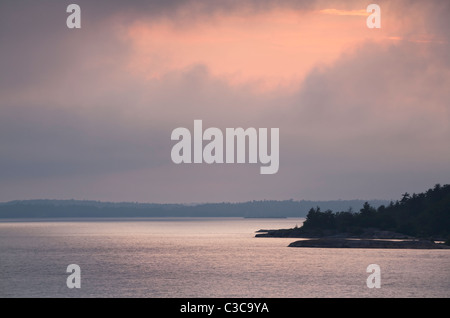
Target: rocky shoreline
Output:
[(368, 243), (300, 233), (370, 238)]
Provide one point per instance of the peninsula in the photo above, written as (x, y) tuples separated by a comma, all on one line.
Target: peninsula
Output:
[(416, 221)]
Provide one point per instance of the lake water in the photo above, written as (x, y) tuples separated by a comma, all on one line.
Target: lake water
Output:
[(201, 257)]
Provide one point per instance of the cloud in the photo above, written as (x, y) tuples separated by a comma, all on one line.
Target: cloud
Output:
[(82, 118), (344, 12), (378, 116)]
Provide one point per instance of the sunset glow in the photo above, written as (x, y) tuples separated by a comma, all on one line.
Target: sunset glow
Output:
[(88, 112), (272, 50)]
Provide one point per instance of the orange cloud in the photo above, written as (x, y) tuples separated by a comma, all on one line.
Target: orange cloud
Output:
[(274, 49), (345, 12)]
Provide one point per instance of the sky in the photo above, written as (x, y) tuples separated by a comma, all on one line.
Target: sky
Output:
[(88, 113)]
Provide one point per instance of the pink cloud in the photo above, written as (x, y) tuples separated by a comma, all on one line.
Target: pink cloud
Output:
[(272, 49)]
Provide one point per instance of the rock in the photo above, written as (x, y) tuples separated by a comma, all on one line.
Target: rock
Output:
[(367, 243), (369, 233)]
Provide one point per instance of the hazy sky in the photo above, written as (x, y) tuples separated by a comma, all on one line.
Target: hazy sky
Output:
[(88, 113)]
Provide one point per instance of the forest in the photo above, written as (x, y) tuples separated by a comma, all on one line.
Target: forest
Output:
[(98, 209), (423, 215)]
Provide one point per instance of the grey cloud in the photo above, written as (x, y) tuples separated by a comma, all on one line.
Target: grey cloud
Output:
[(377, 119), (91, 125), (41, 142), (62, 118)]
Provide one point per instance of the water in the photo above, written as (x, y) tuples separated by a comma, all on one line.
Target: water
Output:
[(201, 257)]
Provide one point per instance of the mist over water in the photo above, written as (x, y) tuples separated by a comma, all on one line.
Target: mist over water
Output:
[(201, 257)]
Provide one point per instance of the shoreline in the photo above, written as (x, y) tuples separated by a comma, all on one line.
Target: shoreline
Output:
[(368, 239), (368, 243)]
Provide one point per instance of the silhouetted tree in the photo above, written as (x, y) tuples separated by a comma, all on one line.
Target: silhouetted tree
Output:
[(425, 214)]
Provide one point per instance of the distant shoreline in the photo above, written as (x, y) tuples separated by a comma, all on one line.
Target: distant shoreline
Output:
[(129, 218), (250, 209)]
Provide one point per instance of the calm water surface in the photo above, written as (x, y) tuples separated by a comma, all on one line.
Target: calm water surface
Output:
[(201, 257)]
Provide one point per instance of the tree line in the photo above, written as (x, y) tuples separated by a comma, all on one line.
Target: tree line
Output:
[(251, 209), (425, 214)]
